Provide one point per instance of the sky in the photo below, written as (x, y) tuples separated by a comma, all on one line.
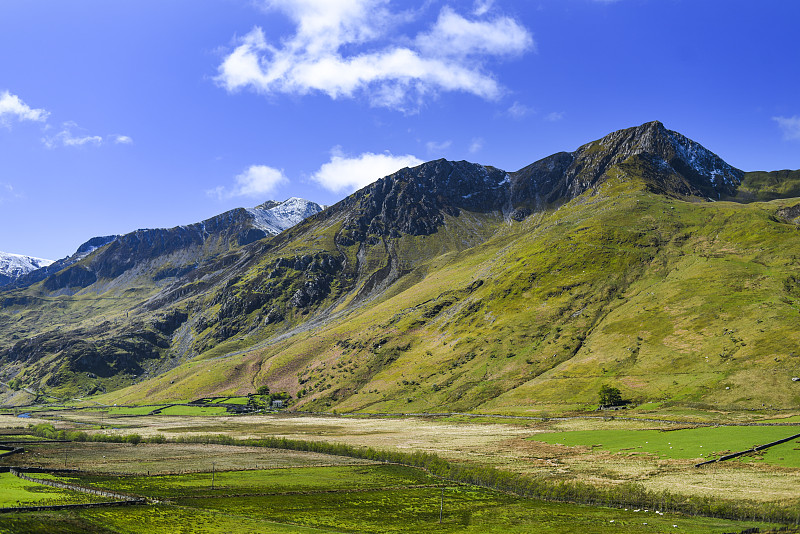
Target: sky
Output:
[(126, 114)]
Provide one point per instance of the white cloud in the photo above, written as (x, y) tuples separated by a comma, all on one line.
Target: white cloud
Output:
[(482, 7), (554, 116), (346, 174), (436, 147), (790, 127), (72, 135), (476, 145), (348, 48), (519, 111), (454, 35), (11, 107), (257, 181)]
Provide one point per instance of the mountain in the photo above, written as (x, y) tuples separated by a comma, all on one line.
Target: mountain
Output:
[(66, 306), (12, 266), (191, 244), (641, 260)]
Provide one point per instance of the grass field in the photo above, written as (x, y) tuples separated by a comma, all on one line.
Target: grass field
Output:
[(165, 458), (17, 492), (695, 443), (194, 410), (231, 400), (522, 446), (519, 446), (381, 498)]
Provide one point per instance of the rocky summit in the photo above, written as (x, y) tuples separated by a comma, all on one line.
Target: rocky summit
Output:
[(641, 260)]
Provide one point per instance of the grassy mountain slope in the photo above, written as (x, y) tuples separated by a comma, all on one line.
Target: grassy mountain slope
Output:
[(674, 302)]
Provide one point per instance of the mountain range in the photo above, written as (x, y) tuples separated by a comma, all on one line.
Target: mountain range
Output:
[(640, 260)]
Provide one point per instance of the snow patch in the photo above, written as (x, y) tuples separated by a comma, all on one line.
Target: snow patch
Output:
[(16, 265), (283, 216), (703, 161)]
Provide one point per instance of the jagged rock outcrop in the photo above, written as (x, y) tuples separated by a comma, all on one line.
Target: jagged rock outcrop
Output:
[(415, 201)]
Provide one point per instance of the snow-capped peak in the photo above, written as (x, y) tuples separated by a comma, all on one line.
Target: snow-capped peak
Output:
[(12, 266), (284, 215)]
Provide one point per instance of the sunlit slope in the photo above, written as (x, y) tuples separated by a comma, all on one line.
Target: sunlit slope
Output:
[(671, 301)]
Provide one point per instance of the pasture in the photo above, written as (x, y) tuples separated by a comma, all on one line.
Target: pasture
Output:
[(376, 498), (15, 492), (702, 443), (179, 454)]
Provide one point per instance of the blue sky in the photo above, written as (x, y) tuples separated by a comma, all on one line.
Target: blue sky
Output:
[(126, 114)]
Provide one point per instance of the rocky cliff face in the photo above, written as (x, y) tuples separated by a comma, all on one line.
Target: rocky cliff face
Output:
[(415, 201)]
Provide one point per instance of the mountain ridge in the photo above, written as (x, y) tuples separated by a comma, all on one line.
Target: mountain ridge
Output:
[(420, 258), (240, 226)]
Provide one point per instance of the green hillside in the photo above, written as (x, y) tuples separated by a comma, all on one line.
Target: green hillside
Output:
[(674, 302)]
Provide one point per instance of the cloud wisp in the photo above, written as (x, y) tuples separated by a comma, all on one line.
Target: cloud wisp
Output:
[(554, 116), (519, 111), (350, 48), (72, 135), (7, 192), (343, 174), (790, 126), (476, 145), (12, 107), (437, 147), (257, 181)]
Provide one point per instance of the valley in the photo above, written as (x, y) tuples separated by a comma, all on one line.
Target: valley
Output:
[(455, 320), (174, 459)]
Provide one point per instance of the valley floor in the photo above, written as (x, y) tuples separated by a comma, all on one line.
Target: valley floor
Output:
[(602, 451)]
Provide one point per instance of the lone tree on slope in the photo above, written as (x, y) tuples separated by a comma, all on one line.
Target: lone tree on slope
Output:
[(610, 396)]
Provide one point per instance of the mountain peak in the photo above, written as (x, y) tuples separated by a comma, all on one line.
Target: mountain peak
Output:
[(703, 171), (274, 217), (12, 266)]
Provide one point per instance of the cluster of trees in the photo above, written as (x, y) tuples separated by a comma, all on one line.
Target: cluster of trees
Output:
[(262, 398), (610, 396), (48, 431)]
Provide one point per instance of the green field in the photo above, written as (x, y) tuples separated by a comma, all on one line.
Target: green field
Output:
[(17, 492), (273, 480), (381, 498), (194, 410), (695, 443), (131, 410), (231, 400)]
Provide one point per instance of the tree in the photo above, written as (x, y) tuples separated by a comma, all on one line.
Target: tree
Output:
[(263, 390), (610, 396)]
